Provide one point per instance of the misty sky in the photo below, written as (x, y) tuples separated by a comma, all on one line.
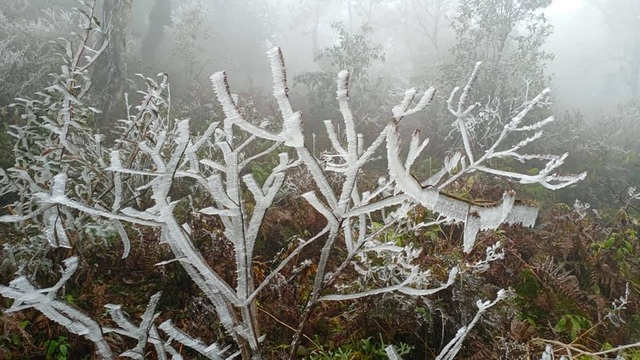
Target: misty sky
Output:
[(584, 69), (562, 7)]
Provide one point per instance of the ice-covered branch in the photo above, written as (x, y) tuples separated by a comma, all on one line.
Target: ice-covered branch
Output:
[(572, 349), (54, 139), (401, 110), (26, 296), (549, 181), (476, 218), (146, 332), (402, 287), (493, 253), (212, 351), (462, 112), (452, 348), (292, 126), (233, 116), (347, 115), (545, 177)]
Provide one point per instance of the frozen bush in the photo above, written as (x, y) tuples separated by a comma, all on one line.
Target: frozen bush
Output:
[(67, 179), (28, 50)]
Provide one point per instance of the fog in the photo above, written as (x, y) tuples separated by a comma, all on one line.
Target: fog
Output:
[(586, 72), (590, 70), (586, 51)]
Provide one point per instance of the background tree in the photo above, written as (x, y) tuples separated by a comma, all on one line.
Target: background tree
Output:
[(423, 36), (357, 53), (116, 19), (430, 18), (159, 17), (507, 37), (27, 45)]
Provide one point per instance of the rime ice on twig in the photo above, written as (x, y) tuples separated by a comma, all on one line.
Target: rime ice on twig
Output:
[(213, 351), (392, 354), (140, 333), (476, 218), (493, 254), (545, 177), (56, 139), (450, 351), (27, 296)]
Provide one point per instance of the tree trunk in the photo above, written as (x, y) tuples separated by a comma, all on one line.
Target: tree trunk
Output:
[(159, 17), (116, 18)]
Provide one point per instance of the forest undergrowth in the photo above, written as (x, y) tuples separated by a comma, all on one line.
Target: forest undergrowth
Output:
[(566, 273)]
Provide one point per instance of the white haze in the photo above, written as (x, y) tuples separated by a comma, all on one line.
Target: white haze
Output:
[(585, 72)]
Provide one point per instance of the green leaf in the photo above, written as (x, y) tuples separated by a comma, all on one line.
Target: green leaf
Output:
[(610, 242)]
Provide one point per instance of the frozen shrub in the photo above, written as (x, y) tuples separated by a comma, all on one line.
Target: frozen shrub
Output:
[(28, 50), (67, 180)]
